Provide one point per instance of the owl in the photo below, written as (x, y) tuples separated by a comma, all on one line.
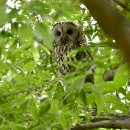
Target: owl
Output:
[(68, 36)]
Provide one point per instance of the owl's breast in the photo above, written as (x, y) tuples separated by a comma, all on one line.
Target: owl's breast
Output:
[(61, 55)]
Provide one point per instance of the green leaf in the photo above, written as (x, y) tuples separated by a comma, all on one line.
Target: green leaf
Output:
[(128, 96), (29, 67), (72, 53), (4, 33), (11, 67), (43, 32), (2, 65), (23, 47), (39, 6), (35, 53), (25, 33), (83, 96), (107, 87), (98, 76), (44, 108), (97, 95), (122, 76), (3, 15)]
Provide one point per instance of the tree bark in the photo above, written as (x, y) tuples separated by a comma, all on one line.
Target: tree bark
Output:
[(112, 22), (115, 124)]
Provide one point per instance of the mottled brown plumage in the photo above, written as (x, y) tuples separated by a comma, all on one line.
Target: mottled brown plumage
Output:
[(67, 37)]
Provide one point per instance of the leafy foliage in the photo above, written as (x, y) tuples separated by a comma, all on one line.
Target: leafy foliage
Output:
[(34, 95)]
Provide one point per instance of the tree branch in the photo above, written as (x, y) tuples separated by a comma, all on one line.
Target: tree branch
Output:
[(123, 5), (112, 22), (120, 124)]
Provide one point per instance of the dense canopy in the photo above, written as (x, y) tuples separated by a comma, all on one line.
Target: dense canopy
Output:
[(34, 95)]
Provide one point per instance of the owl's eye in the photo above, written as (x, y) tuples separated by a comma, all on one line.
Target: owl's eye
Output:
[(58, 33), (69, 31)]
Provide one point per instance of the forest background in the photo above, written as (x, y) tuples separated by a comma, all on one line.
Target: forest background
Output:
[(33, 91)]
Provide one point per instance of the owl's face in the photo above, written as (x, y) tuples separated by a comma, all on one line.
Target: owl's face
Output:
[(65, 32)]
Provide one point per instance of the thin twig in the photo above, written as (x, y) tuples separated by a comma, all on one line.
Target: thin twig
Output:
[(123, 5)]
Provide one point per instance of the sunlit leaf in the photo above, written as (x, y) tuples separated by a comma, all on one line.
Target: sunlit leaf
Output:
[(128, 96), (44, 108), (29, 66), (25, 33), (83, 96), (121, 77), (107, 87), (35, 53), (3, 15), (43, 32)]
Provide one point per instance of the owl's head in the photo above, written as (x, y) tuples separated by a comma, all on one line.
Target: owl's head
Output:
[(65, 32)]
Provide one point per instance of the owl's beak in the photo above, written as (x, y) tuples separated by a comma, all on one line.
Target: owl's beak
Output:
[(63, 39)]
